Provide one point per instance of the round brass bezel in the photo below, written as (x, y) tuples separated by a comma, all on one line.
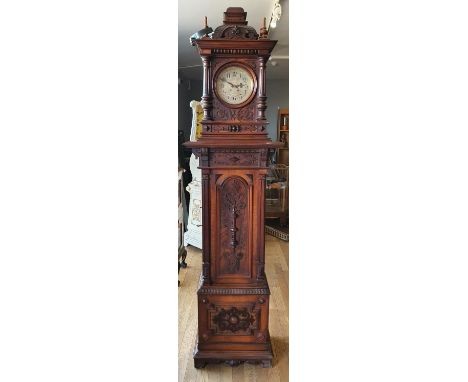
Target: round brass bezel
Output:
[(251, 73)]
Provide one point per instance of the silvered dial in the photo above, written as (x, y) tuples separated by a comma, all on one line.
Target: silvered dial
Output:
[(234, 85)]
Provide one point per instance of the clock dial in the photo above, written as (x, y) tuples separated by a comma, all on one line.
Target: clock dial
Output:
[(234, 85)]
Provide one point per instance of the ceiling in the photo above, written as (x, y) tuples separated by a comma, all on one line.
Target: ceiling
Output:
[(191, 19)]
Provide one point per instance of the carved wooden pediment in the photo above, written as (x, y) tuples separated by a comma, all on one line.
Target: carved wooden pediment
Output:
[(235, 32), (235, 26)]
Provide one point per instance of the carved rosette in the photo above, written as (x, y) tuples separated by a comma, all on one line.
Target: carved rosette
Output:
[(233, 320)]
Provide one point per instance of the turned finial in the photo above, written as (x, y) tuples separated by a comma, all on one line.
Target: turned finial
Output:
[(263, 30)]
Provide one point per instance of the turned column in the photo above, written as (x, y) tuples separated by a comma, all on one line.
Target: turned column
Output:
[(261, 99), (206, 100)]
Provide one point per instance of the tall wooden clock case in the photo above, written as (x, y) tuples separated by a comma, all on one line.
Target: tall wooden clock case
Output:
[(233, 294)]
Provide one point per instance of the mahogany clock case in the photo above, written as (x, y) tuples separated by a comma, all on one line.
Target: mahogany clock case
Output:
[(233, 151)]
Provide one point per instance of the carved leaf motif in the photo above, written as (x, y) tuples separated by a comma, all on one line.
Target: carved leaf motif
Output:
[(246, 113), (221, 112), (236, 157), (235, 199), (233, 260), (235, 32)]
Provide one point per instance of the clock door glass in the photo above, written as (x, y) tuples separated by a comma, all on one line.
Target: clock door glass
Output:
[(234, 85)]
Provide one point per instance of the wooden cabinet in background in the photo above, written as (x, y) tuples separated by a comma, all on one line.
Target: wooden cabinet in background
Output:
[(180, 222), (193, 235), (282, 156)]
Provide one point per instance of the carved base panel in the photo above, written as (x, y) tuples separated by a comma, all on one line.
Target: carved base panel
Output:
[(234, 357), (234, 319), (233, 325)]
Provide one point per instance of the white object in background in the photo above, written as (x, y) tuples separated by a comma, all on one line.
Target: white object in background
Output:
[(193, 235), (276, 14)]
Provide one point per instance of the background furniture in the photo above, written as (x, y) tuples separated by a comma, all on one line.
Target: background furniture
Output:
[(193, 235), (184, 163), (283, 136), (277, 181), (277, 193), (182, 250)]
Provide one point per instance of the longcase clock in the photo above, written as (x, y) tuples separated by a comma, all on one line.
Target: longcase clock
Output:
[(233, 294)]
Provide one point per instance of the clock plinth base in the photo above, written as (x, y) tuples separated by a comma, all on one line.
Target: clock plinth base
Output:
[(233, 357), (233, 324)]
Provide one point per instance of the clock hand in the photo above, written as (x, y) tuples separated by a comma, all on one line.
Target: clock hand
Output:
[(240, 85), (230, 83)]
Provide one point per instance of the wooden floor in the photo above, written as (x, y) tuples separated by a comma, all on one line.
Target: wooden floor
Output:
[(277, 270)]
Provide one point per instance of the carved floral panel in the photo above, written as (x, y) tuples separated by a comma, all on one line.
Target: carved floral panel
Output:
[(241, 320), (233, 258), (223, 113)]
